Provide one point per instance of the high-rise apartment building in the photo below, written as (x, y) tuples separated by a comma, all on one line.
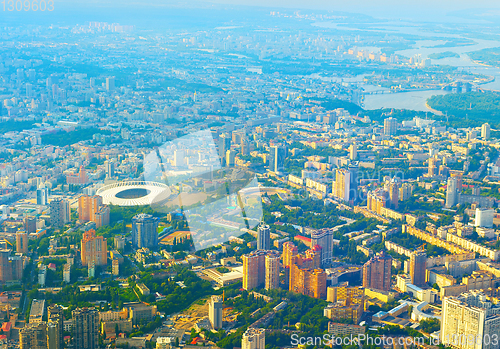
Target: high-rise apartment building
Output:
[(59, 212), (101, 217), (109, 166), (254, 338), (470, 321), (254, 273), (224, 146), (433, 167), (5, 266), (215, 312), (90, 208), (377, 272), (306, 279), (22, 242), (353, 151), (289, 251), (119, 242), (345, 187), (418, 267), (56, 328), (272, 261), (405, 191), (34, 336), (245, 146), (179, 158), (145, 231), (277, 158), (485, 131), (451, 192), (110, 83), (324, 239), (263, 237), (94, 249), (390, 126), (394, 194), (29, 224), (85, 323)]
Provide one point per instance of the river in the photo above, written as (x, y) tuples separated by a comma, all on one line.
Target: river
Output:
[(416, 100)]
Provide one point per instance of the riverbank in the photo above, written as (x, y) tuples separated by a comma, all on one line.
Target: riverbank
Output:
[(437, 112)]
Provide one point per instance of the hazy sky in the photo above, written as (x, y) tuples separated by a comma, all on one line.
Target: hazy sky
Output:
[(385, 8), (131, 11)]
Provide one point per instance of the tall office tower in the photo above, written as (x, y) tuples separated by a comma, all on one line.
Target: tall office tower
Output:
[(215, 312), (289, 251), (353, 151), (34, 336), (394, 194), (254, 269), (29, 224), (110, 83), (92, 83), (224, 146), (263, 237), (277, 158), (85, 328), (433, 167), (390, 126), (377, 272), (145, 231), (5, 266), (94, 249), (418, 267), (451, 192), (245, 146), (305, 279), (88, 206), (59, 212), (56, 317), (470, 321), (272, 270), (254, 338), (485, 131), (324, 238), (110, 168), (42, 196), (22, 242)]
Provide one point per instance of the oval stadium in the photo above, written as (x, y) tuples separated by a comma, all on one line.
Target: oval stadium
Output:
[(133, 193)]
